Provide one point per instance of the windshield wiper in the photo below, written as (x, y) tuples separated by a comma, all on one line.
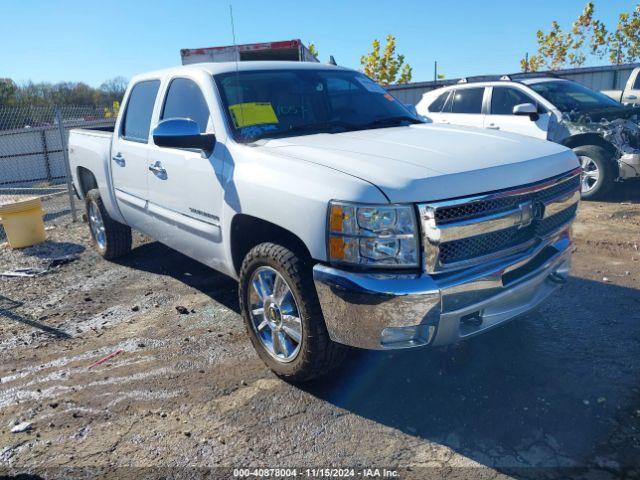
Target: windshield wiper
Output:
[(336, 126), (312, 128), (390, 122)]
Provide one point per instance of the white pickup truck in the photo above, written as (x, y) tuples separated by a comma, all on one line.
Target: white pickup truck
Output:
[(345, 219), (630, 95)]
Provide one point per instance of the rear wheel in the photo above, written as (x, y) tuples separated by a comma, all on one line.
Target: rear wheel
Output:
[(110, 238), (282, 314), (598, 171)]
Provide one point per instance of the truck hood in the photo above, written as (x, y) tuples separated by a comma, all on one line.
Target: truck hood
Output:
[(431, 162)]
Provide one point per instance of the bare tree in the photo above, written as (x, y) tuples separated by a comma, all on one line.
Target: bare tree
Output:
[(114, 89)]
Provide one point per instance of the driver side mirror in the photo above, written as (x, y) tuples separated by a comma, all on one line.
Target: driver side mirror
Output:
[(414, 112), (527, 109), (412, 109), (182, 133)]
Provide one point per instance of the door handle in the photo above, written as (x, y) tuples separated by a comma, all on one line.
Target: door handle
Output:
[(119, 159), (493, 126), (157, 169), (631, 97)]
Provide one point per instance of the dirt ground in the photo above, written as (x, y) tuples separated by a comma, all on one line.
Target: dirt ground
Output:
[(556, 393)]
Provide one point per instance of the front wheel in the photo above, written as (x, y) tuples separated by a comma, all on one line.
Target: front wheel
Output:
[(280, 308), (598, 171)]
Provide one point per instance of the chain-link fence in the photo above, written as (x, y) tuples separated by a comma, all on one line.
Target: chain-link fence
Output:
[(33, 158)]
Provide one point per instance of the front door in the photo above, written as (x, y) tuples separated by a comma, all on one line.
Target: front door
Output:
[(185, 189), (501, 116)]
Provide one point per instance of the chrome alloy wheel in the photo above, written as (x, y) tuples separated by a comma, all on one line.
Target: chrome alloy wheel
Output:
[(97, 226), (275, 316), (590, 173)]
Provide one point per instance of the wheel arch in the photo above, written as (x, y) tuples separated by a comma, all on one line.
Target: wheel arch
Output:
[(248, 231), (584, 139), (86, 181)]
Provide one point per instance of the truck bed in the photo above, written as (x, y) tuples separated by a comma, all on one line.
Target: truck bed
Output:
[(89, 151), (105, 129)]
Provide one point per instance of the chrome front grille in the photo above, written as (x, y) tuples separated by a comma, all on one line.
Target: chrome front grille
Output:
[(468, 231), (479, 245)]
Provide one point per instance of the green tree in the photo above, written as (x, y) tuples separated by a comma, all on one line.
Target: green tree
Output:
[(624, 42), (388, 67), (63, 93), (312, 48), (112, 112), (8, 90), (531, 64), (587, 37)]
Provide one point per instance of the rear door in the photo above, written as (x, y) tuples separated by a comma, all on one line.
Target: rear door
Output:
[(130, 150), (185, 189), (464, 107), (501, 117)]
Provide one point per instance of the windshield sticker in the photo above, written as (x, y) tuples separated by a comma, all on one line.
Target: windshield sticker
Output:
[(252, 113), (371, 85)]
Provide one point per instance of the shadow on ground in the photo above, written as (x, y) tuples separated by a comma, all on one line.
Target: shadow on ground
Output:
[(627, 191), (50, 250), (7, 307), (219, 287), (554, 388)]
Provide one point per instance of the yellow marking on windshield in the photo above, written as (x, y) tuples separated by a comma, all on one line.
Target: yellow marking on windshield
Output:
[(252, 113)]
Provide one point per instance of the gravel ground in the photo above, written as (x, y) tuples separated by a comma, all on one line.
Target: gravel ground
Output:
[(554, 394)]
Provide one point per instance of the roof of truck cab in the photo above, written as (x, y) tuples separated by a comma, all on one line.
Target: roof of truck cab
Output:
[(214, 68)]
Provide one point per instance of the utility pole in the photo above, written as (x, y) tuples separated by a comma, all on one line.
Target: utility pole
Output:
[(616, 72), (435, 71)]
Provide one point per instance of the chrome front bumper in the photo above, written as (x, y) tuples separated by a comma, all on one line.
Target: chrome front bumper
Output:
[(387, 311)]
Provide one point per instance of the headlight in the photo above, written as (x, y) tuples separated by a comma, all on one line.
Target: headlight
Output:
[(370, 235)]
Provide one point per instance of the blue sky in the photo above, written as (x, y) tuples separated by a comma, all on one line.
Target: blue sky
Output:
[(91, 41)]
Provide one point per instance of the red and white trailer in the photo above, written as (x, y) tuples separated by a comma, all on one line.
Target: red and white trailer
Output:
[(292, 50)]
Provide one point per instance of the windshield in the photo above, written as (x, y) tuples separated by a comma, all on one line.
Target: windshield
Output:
[(571, 96), (282, 103)]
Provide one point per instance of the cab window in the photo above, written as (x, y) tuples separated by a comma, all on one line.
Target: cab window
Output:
[(185, 100), (503, 99), (137, 116), (467, 100)]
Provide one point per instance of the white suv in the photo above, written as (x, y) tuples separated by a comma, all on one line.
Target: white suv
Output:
[(603, 133)]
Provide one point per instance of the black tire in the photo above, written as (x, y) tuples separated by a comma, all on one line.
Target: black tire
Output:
[(606, 167), (117, 237), (318, 354)]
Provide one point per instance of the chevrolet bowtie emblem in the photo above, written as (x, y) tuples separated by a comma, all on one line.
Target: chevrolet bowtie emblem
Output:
[(538, 210), (526, 214), (530, 211)]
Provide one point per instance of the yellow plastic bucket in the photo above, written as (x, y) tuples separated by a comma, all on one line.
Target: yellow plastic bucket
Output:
[(21, 218)]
